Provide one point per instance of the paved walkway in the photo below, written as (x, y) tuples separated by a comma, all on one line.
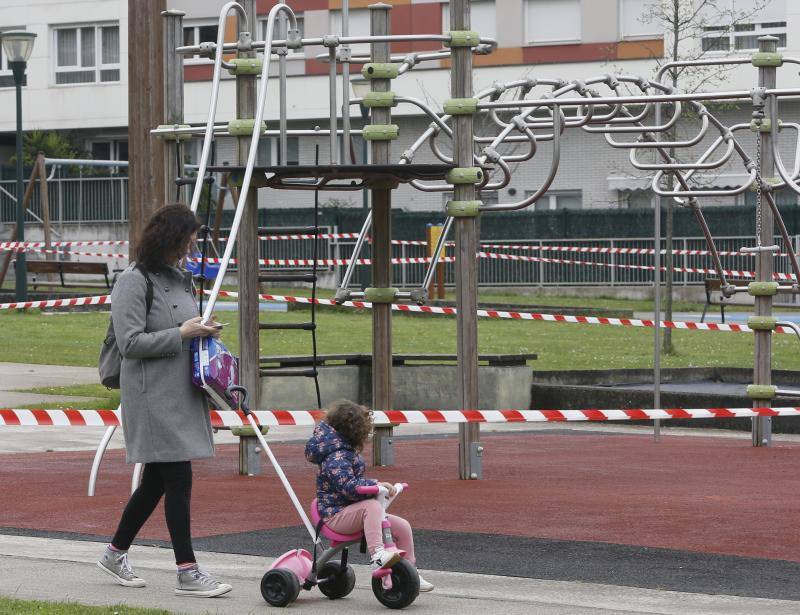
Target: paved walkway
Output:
[(19, 376), (68, 568)]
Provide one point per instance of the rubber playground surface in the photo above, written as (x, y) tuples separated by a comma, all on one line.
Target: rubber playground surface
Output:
[(694, 514)]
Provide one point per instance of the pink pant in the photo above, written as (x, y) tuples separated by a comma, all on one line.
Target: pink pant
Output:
[(367, 515)]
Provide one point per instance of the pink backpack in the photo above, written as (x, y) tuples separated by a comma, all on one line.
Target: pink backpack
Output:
[(215, 370)]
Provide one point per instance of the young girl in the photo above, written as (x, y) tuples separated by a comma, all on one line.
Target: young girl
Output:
[(335, 447)]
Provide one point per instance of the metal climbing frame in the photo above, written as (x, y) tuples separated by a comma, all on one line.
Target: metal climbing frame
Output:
[(627, 110)]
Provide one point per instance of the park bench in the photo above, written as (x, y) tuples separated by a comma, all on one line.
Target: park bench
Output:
[(62, 267)]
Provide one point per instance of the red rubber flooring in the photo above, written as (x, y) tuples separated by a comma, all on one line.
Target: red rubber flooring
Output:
[(708, 495)]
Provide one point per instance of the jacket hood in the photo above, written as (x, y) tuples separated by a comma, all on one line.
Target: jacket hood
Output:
[(324, 441)]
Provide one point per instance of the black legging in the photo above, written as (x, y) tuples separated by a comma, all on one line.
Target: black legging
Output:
[(173, 481)]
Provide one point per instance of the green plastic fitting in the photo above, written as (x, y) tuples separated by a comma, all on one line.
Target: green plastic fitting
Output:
[(762, 289), (244, 128), (767, 58), (174, 136), (463, 209), (761, 125), (461, 106), (379, 99), (381, 132), (762, 323), (245, 66), (464, 175), (380, 295), (380, 70), (236, 178), (247, 430), (761, 391), (463, 38)]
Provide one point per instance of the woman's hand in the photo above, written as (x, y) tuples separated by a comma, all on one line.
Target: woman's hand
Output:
[(390, 488), (194, 328)]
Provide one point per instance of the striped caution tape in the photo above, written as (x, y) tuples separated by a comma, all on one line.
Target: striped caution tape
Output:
[(274, 418), (428, 309)]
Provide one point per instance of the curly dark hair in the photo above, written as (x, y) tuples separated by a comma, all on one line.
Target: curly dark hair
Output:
[(351, 421), (165, 234)]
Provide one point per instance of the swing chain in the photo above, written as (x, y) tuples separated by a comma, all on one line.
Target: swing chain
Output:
[(758, 118)]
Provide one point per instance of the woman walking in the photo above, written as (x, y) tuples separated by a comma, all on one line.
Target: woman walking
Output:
[(165, 418)]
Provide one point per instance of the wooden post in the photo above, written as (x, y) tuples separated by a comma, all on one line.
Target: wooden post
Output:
[(26, 199), (44, 199), (381, 253), (145, 111), (247, 240), (466, 236), (173, 105)]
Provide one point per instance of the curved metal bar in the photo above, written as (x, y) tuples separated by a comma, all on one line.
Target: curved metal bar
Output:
[(251, 157), (704, 62), (654, 144), (556, 157), (700, 164), (98, 457), (776, 154), (697, 193), (212, 109)]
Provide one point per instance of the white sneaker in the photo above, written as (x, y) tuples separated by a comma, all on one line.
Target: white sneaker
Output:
[(194, 582), (425, 586), (115, 564), (385, 559)]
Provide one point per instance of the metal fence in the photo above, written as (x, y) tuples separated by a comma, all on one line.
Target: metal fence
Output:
[(560, 263), (72, 199)]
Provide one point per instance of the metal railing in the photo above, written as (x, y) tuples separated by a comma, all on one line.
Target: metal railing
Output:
[(73, 197)]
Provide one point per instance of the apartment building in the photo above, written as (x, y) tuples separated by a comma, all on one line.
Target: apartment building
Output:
[(78, 76)]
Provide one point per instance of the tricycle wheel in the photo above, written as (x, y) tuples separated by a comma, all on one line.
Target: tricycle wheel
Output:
[(340, 581), (405, 586), (280, 587)]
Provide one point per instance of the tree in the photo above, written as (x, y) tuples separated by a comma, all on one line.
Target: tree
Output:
[(52, 144), (692, 29)]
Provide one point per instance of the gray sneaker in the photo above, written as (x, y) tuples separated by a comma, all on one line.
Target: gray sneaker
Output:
[(195, 582), (115, 563)]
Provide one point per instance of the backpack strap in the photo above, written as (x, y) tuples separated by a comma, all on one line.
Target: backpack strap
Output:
[(148, 297)]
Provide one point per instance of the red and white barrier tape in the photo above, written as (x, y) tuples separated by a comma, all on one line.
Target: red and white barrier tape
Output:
[(72, 417), (559, 261), (13, 245), (609, 250), (323, 262), (427, 309)]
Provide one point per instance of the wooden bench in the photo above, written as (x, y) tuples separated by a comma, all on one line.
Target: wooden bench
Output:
[(62, 267)]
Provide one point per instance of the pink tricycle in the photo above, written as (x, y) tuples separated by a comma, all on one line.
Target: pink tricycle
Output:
[(394, 587)]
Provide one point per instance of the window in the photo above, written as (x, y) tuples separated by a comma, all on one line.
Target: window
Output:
[(269, 151), (738, 24), (552, 21), (572, 199), (301, 25), (6, 78), (359, 26), (634, 19), (112, 149), (483, 17), (641, 199), (194, 34), (87, 54)]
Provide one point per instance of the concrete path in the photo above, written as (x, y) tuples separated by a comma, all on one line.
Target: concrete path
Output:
[(52, 569), (19, 376)]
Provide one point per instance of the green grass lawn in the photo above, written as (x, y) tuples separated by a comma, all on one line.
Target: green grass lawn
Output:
[(12, 606), (74, 338)]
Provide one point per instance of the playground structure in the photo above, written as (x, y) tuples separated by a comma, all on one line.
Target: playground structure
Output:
[(627, 110)]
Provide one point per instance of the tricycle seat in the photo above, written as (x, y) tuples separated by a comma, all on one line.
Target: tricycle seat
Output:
[(336, 537)]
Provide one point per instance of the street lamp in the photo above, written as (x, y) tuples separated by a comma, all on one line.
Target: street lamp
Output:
[(18, 46)]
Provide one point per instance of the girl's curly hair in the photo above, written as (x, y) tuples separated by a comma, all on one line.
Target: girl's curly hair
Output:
[(167, 231), (351, 421)]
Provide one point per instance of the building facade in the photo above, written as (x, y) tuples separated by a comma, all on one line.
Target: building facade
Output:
[(78, 76)]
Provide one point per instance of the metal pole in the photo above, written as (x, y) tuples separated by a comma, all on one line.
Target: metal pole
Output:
[(466, 238), (381, 254), (657, 315), (21, 273), (247, 244), (344, 58), (762, 372), (173, 103), (283, 147)]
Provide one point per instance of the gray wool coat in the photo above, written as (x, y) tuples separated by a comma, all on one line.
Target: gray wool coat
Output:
[(164, 416)]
